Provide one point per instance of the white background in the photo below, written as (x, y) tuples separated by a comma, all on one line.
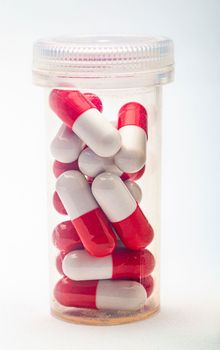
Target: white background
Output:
[(190, 316)]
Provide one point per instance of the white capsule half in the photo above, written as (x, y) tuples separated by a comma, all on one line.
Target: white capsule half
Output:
[(120, 295), (98, 133), (91, 164), (134, 189), (66, 146), (78, 265), (132, 155), (113, 197), (75, 194)]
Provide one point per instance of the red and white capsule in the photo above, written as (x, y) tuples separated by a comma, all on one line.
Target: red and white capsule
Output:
[(102, 295), (121, 264), (88, 219), (80, 114), (132, 125), (66, 146), (122, 211)]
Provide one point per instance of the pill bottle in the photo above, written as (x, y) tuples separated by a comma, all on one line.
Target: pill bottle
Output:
[(103, 115)]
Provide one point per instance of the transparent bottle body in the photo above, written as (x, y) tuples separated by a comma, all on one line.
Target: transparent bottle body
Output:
[(113, 98)]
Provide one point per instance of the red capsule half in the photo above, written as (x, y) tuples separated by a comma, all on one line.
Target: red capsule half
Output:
[(148, 284), (95, 100), (132, 265), (58, 205), (69, 105), (66, 238), (76, 294), (133, 113), (133, 176), (59, 168), (59, 261)]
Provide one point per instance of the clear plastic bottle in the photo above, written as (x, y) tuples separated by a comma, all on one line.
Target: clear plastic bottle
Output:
[(104, 250)]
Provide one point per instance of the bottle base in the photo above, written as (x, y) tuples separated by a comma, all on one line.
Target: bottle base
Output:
[(101, 318)]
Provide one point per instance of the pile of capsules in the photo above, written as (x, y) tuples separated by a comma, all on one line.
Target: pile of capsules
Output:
[(102, 257)]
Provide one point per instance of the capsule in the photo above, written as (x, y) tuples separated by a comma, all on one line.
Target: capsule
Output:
[(66, 238), (78, 265), (66, 146), (80, 114), (134, 189), (92, 165), (122, 211), (59, 167), (58, 205), (132, 125), (102, 295), (88, 219)]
